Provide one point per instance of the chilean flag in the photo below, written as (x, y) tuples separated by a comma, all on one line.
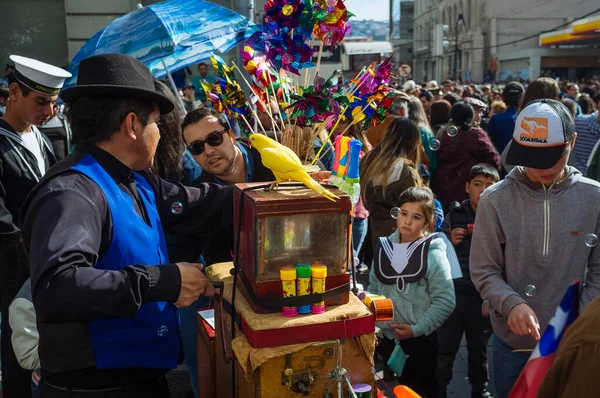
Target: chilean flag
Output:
[(541, 359)]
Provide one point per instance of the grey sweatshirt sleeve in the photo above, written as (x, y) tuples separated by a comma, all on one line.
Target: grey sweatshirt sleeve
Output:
[(487, 259)]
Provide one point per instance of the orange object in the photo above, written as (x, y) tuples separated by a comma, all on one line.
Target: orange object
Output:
[(383, 310), (405, 392)]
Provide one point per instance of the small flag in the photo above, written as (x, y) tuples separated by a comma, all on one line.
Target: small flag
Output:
[(541, 359)]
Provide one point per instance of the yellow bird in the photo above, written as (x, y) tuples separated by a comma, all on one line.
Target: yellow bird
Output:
[(285, 164)]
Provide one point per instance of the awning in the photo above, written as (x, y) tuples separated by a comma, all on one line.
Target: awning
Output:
[(368, 47), (581, 32)]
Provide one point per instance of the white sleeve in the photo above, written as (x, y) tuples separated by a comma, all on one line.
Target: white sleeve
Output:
[(25, 337)]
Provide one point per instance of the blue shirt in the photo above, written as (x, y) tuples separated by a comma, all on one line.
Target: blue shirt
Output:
[(501, 128), (588, 133)]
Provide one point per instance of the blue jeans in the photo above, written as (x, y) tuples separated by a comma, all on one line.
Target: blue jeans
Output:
[(507, 367), (359, 231)]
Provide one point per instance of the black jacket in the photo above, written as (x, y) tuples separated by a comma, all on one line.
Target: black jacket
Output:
[(19, 172), (460, 216), (67, 226)]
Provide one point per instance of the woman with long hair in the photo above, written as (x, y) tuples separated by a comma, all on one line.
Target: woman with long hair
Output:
[(439, 115), (417, 114), (168, 164), (169, 152), (387, 171), (459, 152)]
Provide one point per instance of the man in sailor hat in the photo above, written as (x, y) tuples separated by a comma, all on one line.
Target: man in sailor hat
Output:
[(25, 155)]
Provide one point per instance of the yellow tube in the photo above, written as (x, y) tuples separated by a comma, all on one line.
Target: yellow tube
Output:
[(288, 287), (319, 277)]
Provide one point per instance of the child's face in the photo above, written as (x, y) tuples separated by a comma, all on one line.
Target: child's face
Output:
[(476, 187), (411, 221)]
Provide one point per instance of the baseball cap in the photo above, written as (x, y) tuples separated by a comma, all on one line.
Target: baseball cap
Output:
[(513, 92), (542, 130)]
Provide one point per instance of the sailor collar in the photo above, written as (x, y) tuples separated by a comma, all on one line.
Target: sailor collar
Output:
[(401, 263)]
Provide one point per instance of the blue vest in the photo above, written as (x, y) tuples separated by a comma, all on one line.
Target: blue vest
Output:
[(151, 339)]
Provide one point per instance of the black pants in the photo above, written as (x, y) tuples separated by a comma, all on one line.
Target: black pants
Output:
[(419, 370), (157, 389), (466, 318), (16, 381)]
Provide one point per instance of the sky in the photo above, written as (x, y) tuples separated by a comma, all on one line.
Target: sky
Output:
[(378, 10)]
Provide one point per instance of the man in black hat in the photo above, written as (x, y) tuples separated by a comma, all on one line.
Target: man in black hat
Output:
[(103, 288), (25, 155)]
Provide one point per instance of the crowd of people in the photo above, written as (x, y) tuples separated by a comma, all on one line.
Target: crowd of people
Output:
[(493, 189)]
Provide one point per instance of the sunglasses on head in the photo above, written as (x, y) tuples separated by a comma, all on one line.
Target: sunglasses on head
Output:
[(214, 139)]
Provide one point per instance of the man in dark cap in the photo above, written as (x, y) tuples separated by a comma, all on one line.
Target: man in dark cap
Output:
[(104, 291), (501, 126), (25, 156)]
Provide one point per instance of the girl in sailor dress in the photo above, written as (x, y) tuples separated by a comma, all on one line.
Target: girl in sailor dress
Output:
[(411, 268)]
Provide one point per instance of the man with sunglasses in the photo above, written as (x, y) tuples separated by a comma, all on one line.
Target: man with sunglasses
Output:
[(225, 161)]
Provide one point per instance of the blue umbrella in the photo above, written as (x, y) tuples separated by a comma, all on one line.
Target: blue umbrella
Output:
[(171, 34)]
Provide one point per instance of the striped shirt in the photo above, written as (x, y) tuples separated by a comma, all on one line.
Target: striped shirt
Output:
[(588, 133)]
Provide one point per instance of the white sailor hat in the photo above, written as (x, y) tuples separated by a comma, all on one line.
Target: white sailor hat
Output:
[(39, 76)]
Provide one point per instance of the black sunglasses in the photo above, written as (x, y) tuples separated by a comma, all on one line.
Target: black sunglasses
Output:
[(214, 139)]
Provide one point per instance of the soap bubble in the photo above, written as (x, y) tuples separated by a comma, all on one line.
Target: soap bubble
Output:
[(434, 145), (530, 290), (452, 131), (394, 212), (591, 240)]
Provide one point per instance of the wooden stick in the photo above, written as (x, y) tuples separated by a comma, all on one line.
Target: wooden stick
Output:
[(319, 58), (276, 102), (330, 133), (259, 99), (247, 124), (306, 70)]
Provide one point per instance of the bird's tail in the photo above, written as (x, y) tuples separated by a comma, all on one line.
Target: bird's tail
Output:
[(315, 186)]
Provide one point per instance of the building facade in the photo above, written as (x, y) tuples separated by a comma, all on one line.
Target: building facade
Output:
[(496, 40), (54, 30), (404, 44)]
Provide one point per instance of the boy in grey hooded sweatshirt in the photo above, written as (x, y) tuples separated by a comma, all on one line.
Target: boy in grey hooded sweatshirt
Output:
[(532, 237)]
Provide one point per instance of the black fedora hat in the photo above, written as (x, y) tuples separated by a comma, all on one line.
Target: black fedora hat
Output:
[(115, 75)]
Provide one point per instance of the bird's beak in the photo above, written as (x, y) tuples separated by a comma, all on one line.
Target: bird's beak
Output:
[(249, 144)]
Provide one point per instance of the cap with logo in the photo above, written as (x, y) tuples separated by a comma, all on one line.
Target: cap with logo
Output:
[(39, 76), (542, 130)]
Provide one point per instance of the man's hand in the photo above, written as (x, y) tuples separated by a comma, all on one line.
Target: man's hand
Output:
[(193, 284), (457, 235), (485, 309), (523, 322), (401, 332)]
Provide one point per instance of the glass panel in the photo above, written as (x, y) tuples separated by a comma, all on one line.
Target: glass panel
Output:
[(301, 238)]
